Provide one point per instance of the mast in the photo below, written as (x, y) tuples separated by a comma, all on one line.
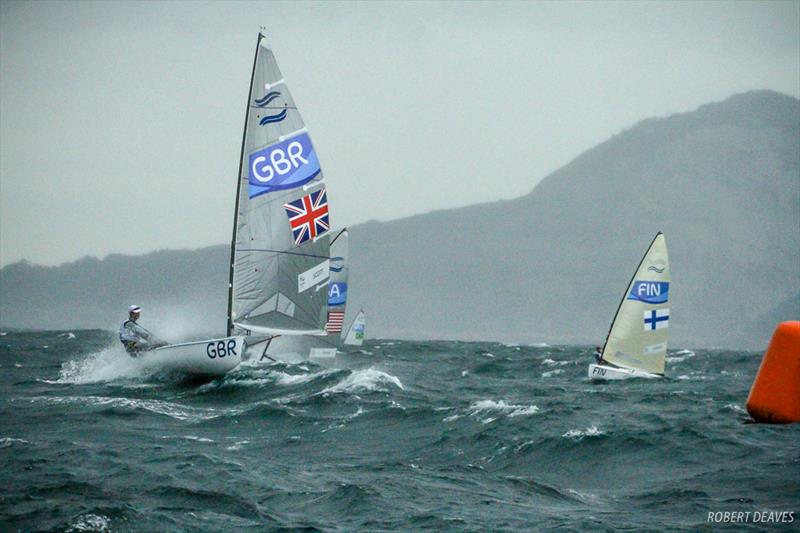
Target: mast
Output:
[(239, 186)]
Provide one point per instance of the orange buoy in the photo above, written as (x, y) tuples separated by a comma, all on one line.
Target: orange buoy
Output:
[(775, 395)]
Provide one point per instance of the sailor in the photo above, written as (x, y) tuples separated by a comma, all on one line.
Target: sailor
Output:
[(134, 337), (598, 355)]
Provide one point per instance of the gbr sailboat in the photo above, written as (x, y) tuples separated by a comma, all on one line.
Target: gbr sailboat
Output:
[(280, 252), (636, 344)]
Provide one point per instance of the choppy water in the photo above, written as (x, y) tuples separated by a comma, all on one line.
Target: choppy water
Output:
[(444, 436)]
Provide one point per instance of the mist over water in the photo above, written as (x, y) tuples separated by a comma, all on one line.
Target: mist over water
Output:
[(397, 435)]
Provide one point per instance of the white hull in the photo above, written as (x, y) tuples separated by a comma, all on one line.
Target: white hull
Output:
[(212, 357), (610, 372), (289, 349)]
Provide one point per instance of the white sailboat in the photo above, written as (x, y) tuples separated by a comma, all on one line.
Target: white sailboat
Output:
[(280, 262), (355, 335), (636, 344), (280, 256)]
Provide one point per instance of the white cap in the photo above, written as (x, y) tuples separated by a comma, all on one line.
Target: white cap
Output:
[(134, 309)]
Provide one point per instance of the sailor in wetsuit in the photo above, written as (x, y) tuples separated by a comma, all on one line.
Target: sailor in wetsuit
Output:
[(133, 336), (598, 355)]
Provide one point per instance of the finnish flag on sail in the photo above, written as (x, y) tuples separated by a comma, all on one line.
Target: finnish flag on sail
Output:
[(656, 319)]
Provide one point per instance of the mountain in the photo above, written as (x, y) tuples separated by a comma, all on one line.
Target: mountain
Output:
[(722, 182)]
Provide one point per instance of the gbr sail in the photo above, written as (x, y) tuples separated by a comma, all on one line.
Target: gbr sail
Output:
[(280, 249), (638, 335)]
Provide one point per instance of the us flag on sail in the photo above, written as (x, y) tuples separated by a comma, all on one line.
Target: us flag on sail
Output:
[(308, 216), (335, 322)]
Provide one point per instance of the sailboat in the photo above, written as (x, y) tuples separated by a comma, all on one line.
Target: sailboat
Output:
[(280, 253), (636, 344), (355, 335)]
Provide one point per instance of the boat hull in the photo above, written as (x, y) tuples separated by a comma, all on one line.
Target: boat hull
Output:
[(292, 349), (212, 357), (615, 373)]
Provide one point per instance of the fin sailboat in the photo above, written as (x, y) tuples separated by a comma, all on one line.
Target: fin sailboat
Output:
[(636, 344)]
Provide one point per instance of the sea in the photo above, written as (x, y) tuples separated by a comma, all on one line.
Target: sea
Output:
[(390, 436)]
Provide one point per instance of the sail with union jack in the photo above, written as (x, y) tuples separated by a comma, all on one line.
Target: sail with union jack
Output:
[(279, 274)]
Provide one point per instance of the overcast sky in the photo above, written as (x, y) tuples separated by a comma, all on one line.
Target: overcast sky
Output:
[(121, 123)]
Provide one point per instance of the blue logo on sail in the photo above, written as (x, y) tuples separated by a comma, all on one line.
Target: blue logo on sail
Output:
[(337, 294), (284, 165), (651, 292), (267, 99)]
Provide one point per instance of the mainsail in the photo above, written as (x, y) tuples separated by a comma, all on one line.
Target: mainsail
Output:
[(355, 335), (638, 335), (280, 250)]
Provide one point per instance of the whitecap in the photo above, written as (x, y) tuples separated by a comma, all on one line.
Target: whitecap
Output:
[(510, 410), (551, 362), (555, 372), (109, 364), (295, 379), (735, 407), (7, 442), (197, 439), (69, 335), (170, 409), (579, 435), (92, 522), (368, 379)]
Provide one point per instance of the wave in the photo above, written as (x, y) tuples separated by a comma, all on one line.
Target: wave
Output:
[(580, 434), (91, 522), (7, 442), (160, 407), (368, 379), (492, 409), (550, 362), (109, 364)]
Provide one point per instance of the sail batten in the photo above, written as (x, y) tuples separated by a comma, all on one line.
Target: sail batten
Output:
[(280, 247), (638, 335)]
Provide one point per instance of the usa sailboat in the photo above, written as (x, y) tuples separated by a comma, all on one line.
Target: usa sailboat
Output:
[(636, 344), (280, 253)]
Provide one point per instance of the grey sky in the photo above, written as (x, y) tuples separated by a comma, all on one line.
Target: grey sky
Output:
[(121, 123)]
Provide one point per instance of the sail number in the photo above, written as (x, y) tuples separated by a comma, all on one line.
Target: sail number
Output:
[(279, 162), (221, 348)]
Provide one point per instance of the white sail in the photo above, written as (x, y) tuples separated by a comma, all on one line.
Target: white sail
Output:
[(280, 252), (355, 335), (638, 336)]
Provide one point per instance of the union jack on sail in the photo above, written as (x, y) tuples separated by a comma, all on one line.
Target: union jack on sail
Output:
[(308, 216)]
